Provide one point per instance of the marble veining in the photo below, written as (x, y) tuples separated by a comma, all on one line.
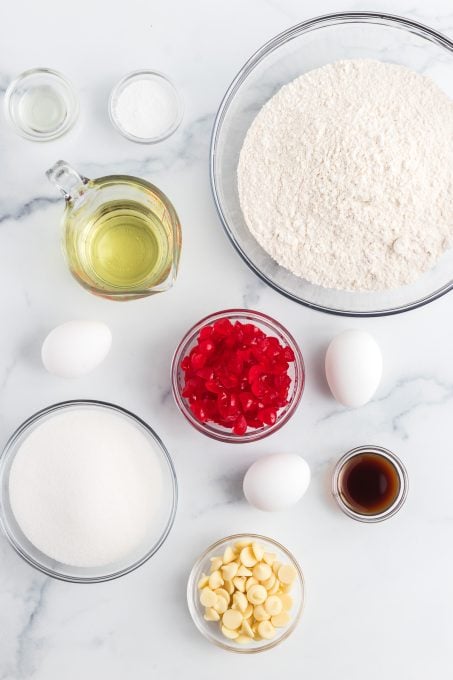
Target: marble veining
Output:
[(378, 597)]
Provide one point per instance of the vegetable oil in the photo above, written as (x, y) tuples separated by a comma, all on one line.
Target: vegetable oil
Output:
[(124, 245)]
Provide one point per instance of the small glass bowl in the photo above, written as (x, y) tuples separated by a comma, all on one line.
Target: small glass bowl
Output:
[(210, 629), (163, 80), (403, 481), (65, 572), (296, 372), (18, 99)]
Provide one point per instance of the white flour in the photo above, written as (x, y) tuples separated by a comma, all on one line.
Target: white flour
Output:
[(147, 108), (346, 175)]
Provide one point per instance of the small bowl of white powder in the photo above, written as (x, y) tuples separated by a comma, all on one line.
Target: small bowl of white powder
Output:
[(87, 491), (145, 107)]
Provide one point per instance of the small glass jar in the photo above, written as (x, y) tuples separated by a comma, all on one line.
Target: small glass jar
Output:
[(400, 496), (41, 104)]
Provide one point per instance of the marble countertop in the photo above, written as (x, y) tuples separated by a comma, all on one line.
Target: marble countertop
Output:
[(379, 598)]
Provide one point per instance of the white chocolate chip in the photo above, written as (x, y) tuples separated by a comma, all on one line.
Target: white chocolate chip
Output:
[(286, 574), (221, 592), (240, 601), (266, 630), (276, 566), (270, 582), (229, 555), (215, 580), (243, 571), (221, 605), (269, 558), (232, 619), (211, 614), (280, 620), (262, 571), (258, 551), (241, 544), (250, 582), (246, 629), (207, 597), (273, 605), (256, 594), (230, 634), (249, 611), (216, 563), (247, 557), (203, 582), (239, 583), (275, 588), (229, 571), (243, 639), (260, 613), (229, 587), (287, 601)]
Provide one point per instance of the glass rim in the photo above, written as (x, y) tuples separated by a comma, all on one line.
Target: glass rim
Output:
[(402, 476), (299, 376), (72, 114), (191, 585), (8, 451), (136, 75), (331, 19)]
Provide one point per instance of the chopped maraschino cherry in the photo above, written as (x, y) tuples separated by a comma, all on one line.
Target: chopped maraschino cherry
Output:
[(236, 376)]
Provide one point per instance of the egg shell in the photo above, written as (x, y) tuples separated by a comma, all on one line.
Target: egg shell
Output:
[(353, 367), (276, 482), (75, 348)]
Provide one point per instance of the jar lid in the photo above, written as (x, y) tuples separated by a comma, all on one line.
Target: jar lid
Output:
[(41, 104), (145, 107)]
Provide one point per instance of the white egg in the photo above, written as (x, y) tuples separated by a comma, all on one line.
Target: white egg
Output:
[(276, 482), (75, 348), (353, 367)]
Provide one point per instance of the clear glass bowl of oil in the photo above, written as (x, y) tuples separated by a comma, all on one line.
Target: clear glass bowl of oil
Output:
[(121, 234)]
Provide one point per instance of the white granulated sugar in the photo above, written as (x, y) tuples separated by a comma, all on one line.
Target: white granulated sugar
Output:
[(85, 486), (346, 175), (147, 108)]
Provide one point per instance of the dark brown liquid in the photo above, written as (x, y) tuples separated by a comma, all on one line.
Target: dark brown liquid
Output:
[(369, 483)]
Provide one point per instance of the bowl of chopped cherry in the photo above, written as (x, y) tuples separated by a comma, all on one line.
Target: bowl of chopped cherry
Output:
[(238, 375)]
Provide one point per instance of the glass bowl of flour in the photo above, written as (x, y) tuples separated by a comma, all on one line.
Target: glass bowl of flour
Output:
[(331, 167), (88, 491)]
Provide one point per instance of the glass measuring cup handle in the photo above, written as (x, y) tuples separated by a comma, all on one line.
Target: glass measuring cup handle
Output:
[(67, 180)]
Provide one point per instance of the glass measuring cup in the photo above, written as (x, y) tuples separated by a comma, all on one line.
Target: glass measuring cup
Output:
[(121, 234)]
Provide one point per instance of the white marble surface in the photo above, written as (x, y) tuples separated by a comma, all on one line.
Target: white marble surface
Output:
[(379, 598)]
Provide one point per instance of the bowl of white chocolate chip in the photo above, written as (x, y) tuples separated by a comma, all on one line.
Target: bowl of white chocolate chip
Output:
[(246, 593)]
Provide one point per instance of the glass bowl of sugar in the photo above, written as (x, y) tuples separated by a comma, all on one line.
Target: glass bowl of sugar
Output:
[(88, 491)]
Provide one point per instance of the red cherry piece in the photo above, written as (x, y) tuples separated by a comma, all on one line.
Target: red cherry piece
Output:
[(198, 360), (268, 416), (240, 425)]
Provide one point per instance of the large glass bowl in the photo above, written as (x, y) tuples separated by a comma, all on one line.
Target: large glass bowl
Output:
[(309, 45), (158, 531)]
